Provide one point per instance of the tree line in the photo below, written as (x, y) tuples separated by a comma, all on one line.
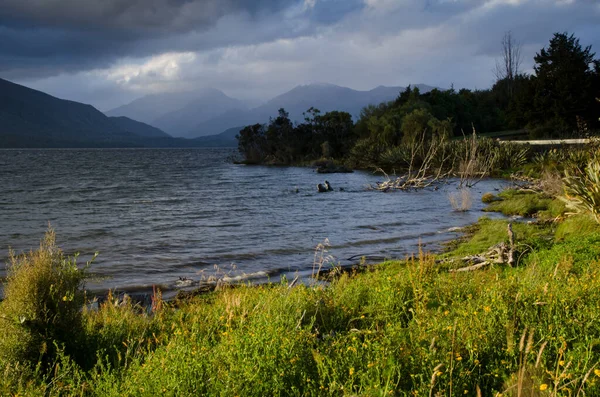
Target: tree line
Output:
[(560, 99)]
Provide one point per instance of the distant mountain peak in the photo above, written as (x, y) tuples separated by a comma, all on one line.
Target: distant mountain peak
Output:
[(321, 84), (178, 112), (323, 96)]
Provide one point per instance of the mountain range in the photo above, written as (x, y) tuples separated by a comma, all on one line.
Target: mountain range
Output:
[(179, 112), (31, 118), (211, 112)]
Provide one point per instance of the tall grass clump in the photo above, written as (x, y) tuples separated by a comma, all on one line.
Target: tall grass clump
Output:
[(582, 190), (41, 312), (461, 200)]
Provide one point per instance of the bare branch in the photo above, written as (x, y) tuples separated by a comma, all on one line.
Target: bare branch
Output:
[(508, 67)]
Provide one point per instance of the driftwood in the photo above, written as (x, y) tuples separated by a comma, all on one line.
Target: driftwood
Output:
[(499, 254), (434, 166), (523, 183), (408, 181)]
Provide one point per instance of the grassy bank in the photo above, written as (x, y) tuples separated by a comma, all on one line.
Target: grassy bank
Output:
[(400, 328)]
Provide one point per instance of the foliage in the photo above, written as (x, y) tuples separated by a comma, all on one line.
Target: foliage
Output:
[(41, 310), (488, 198), (330, 135), (488, 232), (582, 190), (400, 328), (564, 83), (252, 143)]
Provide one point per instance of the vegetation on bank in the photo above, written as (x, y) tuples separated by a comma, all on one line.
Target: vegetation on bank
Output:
[(557, 101), (408, 327)]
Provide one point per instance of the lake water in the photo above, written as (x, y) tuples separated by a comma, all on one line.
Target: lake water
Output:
[(155, 215)]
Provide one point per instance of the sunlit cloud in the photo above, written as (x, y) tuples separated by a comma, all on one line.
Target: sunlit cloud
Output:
[(155, 70)]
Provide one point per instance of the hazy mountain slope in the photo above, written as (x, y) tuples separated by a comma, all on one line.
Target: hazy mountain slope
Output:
[(208, 104), (223, 122), (32, 118), (150, 107), (178, 112), (225, 139), (325, 97), (138, 128)]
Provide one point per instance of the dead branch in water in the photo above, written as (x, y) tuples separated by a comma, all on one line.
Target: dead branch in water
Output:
[(427, 173), (473, 167)]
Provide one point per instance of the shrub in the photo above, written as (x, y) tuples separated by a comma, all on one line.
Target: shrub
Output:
[(365, 153), (461, 200), (582, 190), (488, 198), (551, 183), (41, 312)]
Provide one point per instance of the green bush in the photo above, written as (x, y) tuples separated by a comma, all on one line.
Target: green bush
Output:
[(41, 312), (488, 198), (582, 190)]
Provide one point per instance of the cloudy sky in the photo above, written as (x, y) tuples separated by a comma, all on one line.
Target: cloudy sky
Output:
[(108, 52)]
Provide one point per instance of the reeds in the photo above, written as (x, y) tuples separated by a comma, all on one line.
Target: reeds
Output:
[(460, 201)]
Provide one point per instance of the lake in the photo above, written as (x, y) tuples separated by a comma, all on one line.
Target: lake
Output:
[(155, 215)]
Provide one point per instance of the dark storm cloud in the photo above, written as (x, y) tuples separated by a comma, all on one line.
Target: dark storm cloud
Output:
[(46, 37), (139, 16), (532, 25)]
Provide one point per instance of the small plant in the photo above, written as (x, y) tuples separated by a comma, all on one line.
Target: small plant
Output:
[(461, 200), (41, 312), (488, 198), (321, 258), (582, 190), (551, 183)]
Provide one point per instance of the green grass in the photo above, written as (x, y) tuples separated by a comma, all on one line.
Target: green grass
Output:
[(514, 202), (387, 331), (579, 225), (488, 232)]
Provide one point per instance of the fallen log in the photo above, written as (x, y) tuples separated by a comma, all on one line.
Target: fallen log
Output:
[(498, 254)]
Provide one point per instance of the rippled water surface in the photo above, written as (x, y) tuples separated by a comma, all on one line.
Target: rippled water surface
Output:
[(157, 215)]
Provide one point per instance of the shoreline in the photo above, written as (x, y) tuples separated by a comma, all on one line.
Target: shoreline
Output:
[(307, 277), (365, 328)]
